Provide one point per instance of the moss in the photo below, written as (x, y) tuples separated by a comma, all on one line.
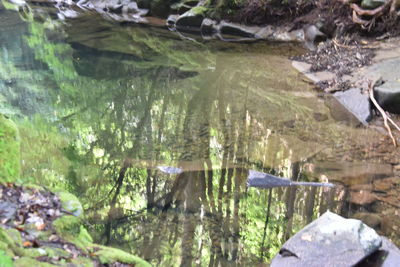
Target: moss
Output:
[(33, 186), (67, 224), (15, 235), (3, 246), (34, 252), (29, 262), (82, 262), (10, 166), (5, 260), (109, 255), (8, 244), (57, 252), (71, 203), (199, 10), (70, 229), (84, 235)]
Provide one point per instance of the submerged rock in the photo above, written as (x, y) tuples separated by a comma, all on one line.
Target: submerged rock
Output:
[(362, 197), (330, 240), (371, 219)]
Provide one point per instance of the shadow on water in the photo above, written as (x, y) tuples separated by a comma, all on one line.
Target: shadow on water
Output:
[(102, 106)]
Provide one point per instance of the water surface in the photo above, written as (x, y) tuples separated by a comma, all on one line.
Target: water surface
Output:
[(103, 108)]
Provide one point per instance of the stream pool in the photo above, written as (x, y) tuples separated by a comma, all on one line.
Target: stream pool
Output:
[(104, 109)]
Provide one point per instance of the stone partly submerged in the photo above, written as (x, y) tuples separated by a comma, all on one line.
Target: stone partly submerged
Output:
[(332, 240), (356, 103), (264, 180)]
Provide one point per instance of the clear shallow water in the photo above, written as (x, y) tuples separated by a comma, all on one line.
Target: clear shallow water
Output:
[(101, 106)]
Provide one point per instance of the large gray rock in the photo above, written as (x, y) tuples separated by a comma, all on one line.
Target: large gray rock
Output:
[(331, 240), (356, 103), (388, 95)]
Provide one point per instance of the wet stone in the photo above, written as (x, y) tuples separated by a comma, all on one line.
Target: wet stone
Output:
[(189, 21), (390, 224), (171, 20), (384, 185), (331, 240), (388, 96), (235, 29), (356, 103), (208, 26)]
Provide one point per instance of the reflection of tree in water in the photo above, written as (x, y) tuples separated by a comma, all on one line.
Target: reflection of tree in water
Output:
[(200, 214), (123, 128)]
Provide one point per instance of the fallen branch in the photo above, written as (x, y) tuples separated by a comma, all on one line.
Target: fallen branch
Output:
[(370, 12), (371, 85)]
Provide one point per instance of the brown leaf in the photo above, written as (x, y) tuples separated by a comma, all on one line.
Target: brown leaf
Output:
[(27, 244)]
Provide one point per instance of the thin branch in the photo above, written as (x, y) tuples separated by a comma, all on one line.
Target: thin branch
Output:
[(371, 85)]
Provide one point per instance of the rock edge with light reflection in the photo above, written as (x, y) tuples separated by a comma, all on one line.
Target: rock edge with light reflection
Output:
[(331, 240)]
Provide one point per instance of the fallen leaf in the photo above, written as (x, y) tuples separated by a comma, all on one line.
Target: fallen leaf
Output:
[(27, 244)]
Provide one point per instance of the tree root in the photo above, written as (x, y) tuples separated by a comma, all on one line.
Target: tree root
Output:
[(359, 13), (386, 118)]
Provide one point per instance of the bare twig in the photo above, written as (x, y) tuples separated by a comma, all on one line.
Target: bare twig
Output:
[(393, 123), (371, 85)]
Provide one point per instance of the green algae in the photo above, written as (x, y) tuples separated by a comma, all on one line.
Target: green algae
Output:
[(109, 255), (10, 166)]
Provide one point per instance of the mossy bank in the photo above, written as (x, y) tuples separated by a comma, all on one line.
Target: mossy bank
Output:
[(43, 228)]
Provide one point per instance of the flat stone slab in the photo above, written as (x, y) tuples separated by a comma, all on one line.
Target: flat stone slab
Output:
[(315, 77), (356, 103), (331, 240)]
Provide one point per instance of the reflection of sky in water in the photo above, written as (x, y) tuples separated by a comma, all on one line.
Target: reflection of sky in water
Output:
[(117, 112)]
